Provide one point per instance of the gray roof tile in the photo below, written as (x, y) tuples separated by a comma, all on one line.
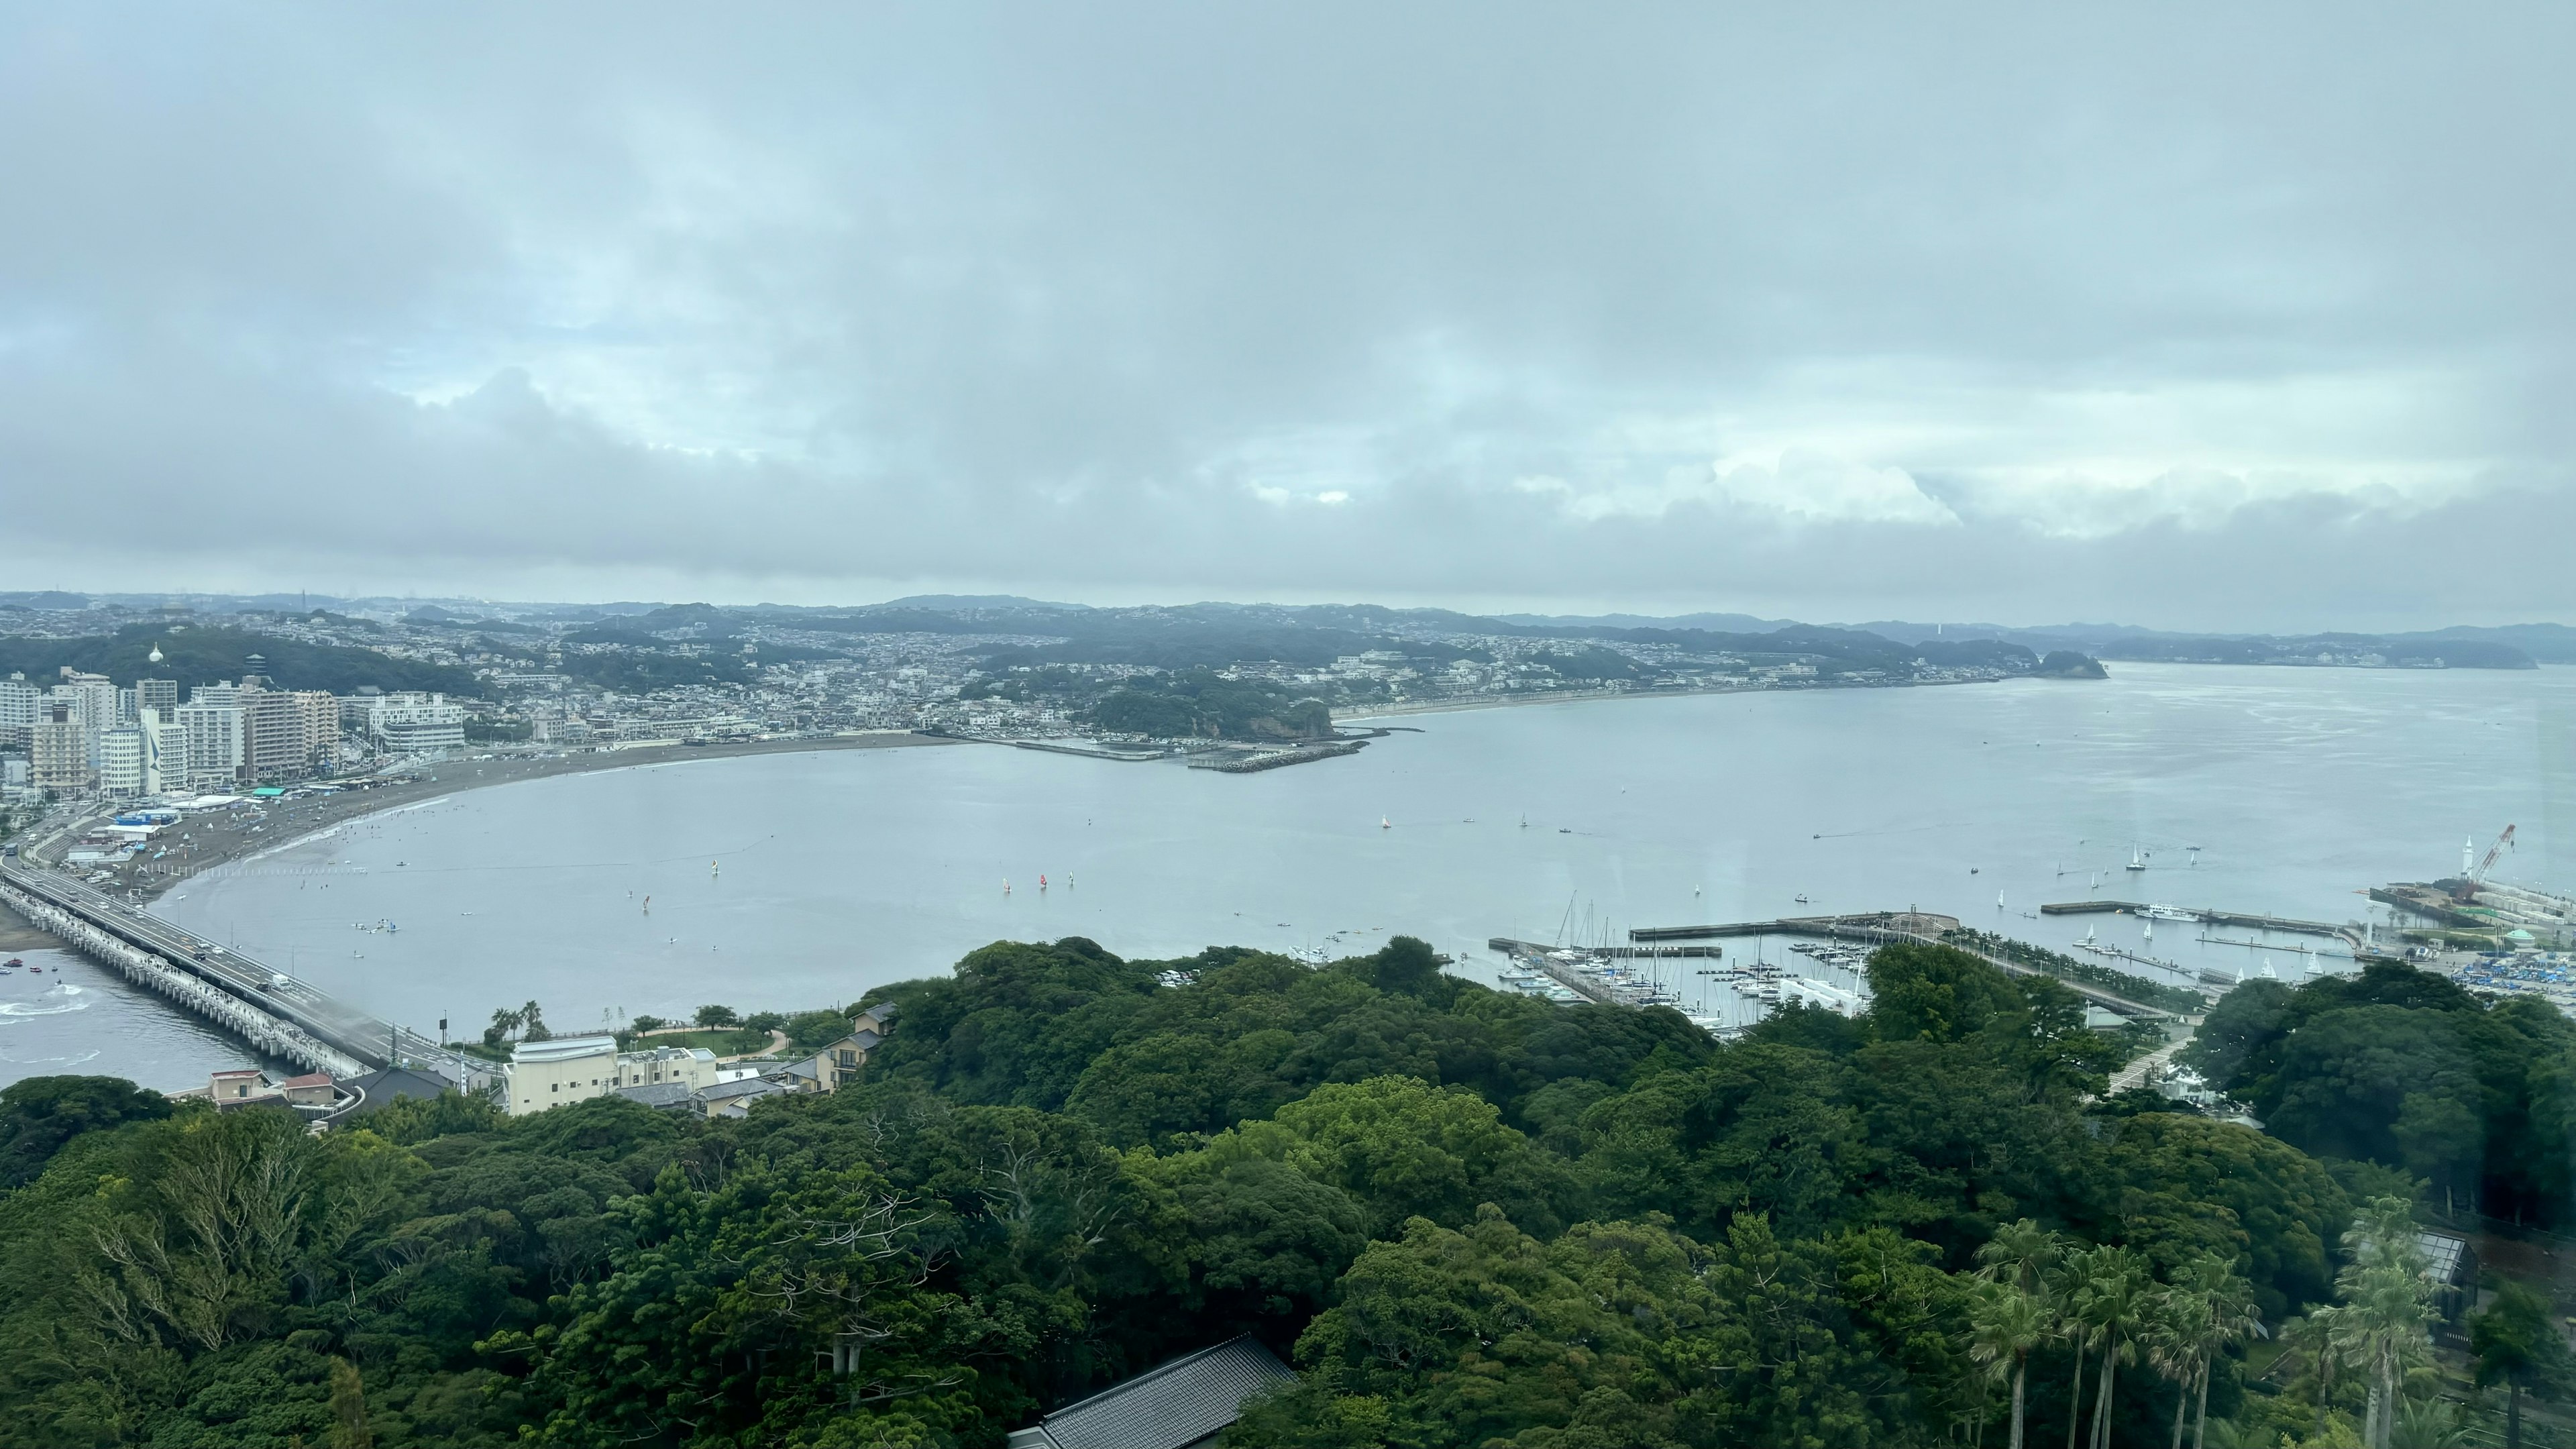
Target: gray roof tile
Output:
[(1173, 1404)]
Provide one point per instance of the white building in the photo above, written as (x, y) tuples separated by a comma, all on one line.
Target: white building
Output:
[(18, 710), (211, 736), (124, 762), (543, 1074), (410, 722), (165, 748)]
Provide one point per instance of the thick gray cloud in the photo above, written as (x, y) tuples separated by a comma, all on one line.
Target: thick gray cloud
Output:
[(2229, 317)]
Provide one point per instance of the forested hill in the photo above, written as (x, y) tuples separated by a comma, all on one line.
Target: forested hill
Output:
[(1469, 1218), (203, 655)]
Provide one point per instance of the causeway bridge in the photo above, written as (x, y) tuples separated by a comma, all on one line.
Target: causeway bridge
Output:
[(272, 1011)]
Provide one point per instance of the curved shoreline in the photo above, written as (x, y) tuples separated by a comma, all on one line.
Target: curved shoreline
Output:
[(217, 846)]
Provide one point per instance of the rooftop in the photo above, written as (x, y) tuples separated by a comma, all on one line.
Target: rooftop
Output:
[(564, 1048), (1169, 1406)]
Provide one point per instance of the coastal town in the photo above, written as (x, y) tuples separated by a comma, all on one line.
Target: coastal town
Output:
[(216, 696)]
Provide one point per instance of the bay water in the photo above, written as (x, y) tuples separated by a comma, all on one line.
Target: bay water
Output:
[(794, 881)]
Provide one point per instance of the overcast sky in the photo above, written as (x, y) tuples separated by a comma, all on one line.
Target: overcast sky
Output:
[(2249, 317)]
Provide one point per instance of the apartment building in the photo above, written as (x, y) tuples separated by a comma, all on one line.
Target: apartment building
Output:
[(18, 710), (210, 735), (124, 763), (59, 757)]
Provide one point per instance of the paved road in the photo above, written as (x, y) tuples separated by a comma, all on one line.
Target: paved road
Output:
[(335, 1022), (2135, 1073)]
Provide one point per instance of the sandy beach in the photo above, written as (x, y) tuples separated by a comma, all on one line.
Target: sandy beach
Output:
[(217, 838)]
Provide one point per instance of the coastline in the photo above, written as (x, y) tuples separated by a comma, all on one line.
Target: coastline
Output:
[(1579, 696), (219, 843)]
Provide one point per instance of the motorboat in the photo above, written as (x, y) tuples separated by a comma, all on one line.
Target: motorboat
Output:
[(2169, 913)]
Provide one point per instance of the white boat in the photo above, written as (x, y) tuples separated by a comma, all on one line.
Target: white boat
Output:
[(2137, 859), (2169, 913)]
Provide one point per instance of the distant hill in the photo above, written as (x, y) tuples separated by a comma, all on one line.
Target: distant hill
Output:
[(202, 655), (2548, 643)]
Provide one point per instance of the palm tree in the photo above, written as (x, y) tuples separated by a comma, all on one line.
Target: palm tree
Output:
[(2005, 1323), (2386, 1290), (2209, 1309), (2512, 1342), (2176, 1324), (2071, 1274), (2023, 1254), (2109, 1302)]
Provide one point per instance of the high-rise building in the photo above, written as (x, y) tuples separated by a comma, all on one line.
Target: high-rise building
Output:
[(212, 735), (287, 734), (95, 696), (160, 694), (122, 762), (165, 750), (319, 713), (18, 710), (60, 753)]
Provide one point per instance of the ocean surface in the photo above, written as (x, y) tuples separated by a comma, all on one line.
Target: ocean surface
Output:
[(64, 1015), (793, 881)]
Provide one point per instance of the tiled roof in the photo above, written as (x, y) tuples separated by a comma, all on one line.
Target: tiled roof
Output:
[(1177, 1403), (660, 1094), (378, 1090)]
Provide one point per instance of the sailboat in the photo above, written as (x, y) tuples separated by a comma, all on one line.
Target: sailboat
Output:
[(2137, 859), (1383, 824), (714, 869), (1999, 900), (2151, 931)]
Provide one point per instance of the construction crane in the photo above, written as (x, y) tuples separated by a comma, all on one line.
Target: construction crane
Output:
[(2478, 877)]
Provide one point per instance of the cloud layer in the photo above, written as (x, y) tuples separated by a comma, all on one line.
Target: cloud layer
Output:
[(2198, 318)]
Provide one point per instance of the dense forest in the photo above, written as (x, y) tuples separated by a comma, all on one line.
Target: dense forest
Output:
[(1203, 703), (203, 654), (1468, 1218)]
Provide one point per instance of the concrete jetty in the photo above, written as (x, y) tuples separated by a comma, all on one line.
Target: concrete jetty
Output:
[(1885, 926)]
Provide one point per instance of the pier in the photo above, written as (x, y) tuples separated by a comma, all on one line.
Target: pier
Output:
[(1248, 764), (1875, 926), (2208, 917), (271, 1011), (1592, 987), (1884, 926)]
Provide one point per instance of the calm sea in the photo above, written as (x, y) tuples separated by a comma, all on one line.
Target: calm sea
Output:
[(799, 880)]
